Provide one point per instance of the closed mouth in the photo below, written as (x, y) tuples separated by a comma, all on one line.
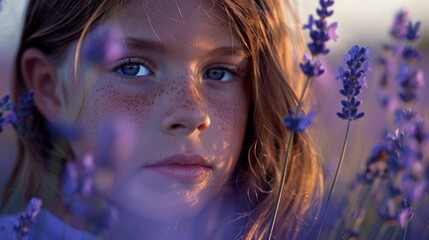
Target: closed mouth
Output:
[(183, 167)]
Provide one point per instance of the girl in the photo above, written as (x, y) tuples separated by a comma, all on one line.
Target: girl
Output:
[(183, 101)]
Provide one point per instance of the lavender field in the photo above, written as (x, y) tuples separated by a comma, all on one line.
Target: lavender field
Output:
[(382, 190)]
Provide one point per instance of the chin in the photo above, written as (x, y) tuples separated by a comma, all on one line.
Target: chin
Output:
[(161, 207)]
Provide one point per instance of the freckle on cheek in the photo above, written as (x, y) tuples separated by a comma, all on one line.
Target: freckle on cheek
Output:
[(105, 101)]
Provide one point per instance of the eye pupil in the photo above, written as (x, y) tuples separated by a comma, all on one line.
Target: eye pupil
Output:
[(216, 74)]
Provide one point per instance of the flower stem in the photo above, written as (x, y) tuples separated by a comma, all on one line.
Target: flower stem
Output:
[(426, 230), (282, 182), (343, 151), (405, 232), (284, 170)]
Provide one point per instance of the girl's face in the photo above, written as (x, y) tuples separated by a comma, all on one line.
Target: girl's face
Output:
[(169, 102)]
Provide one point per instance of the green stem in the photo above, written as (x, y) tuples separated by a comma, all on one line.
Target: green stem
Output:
[(284, 170), (280, 193), (343, 151)]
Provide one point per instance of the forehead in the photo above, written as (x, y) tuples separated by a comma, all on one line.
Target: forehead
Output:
[(191, 23)]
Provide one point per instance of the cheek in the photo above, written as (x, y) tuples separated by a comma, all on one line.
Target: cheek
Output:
[(106, 104), (230, 114), (229, 118)]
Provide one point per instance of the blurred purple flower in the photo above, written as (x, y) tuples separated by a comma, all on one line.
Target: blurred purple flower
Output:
[(377, 164), (401, 215), (26, 219), (399, 26), (406, 212), (409, 81), (404, 115), (409, 77), (410, 54), (82, 197), (414, 182), (104, 46), (387, 211), (16, 114), (413, 31), (419, 131), (298, 123)]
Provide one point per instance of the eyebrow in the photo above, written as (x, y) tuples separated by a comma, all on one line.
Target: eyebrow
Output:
[(140, 44), (231, 51), (150, 45)]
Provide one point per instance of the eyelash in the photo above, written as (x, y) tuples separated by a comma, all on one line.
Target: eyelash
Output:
[(228, 71), (127, 61), (234, 70)]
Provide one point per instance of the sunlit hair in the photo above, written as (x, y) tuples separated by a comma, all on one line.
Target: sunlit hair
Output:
[(270, 33)]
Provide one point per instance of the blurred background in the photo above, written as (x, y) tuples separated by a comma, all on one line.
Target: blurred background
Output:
[(11, 14), (365, 23), (362, 22)]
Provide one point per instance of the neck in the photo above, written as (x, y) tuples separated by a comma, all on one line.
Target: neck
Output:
[(219, 220)]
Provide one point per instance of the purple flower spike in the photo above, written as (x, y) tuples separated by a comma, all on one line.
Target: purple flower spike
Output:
[(310, 68), (409, 81), (319, 30), (323, 12), (413, 31), (399, 26), (298, 123), (353, 78)]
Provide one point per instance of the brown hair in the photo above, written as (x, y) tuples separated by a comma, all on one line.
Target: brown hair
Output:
[(274, 44), (269, 31)]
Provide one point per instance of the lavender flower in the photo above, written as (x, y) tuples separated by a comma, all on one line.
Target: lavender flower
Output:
[(15, 114), (409, 77), (27, 218), (320, 32), (377, 164), (401, 214), (406, 212), (311, 68), (298, 123), (357, 61), (404, 115), (413, 31), (103, 46), (83, 198), (86, 182), (419, 131), (5, 106), (399, 26)]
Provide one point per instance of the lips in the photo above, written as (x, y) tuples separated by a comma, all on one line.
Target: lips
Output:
[(183, 167)]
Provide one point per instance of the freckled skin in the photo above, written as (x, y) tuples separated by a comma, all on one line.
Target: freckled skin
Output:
[(173, 111)]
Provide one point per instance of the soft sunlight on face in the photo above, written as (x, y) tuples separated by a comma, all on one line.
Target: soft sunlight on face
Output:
[(179, 86)]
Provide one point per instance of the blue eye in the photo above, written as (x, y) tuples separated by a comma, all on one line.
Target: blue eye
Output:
[(220, 74), (134, 69)]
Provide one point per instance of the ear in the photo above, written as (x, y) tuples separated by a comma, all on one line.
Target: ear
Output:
[(40, 75)]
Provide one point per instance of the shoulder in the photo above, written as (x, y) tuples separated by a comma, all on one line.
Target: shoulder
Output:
[(46, 226), (7, 224)]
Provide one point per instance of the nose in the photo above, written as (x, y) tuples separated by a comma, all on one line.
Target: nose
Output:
[(186, 112)]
